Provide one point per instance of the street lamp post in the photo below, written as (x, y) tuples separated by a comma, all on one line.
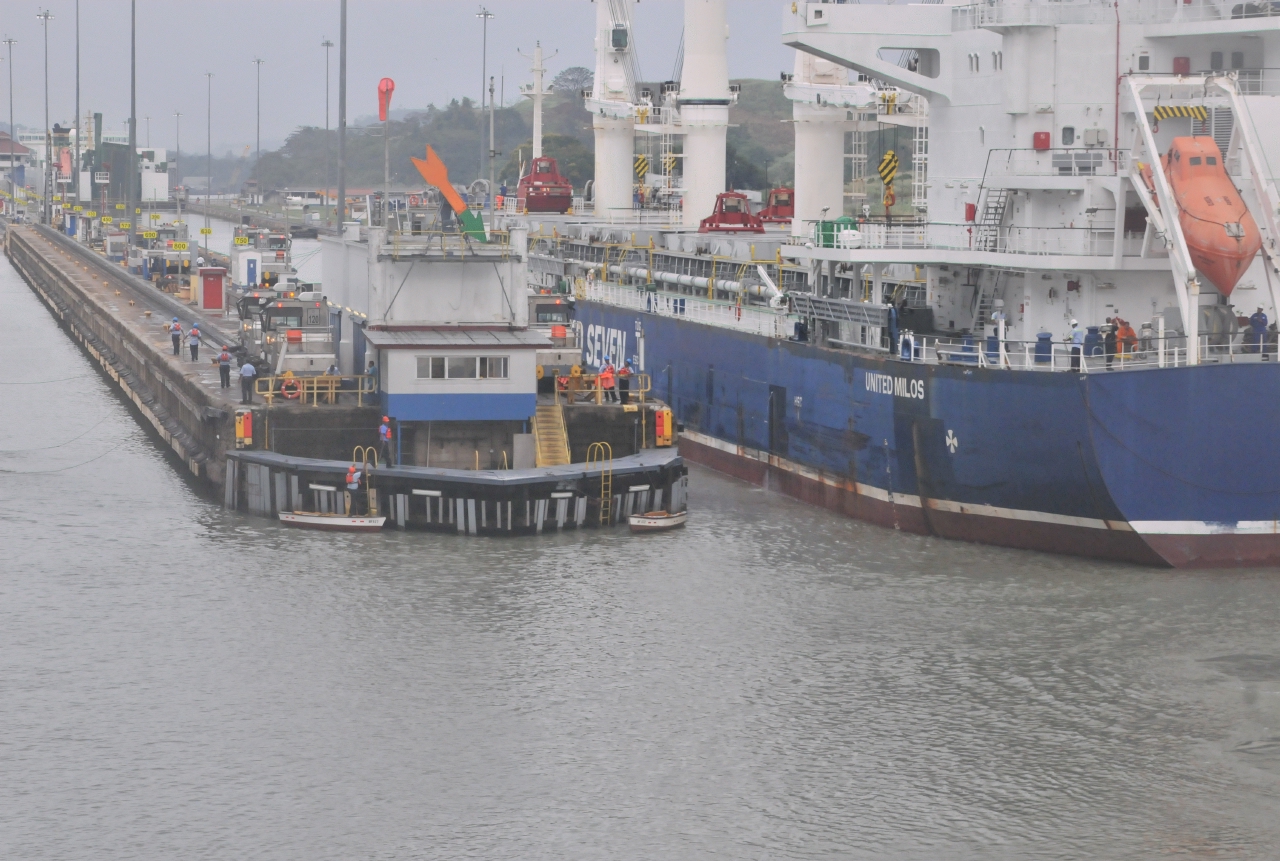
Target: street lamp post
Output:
[(132, 176), (13, 133), (177, 159), (208, 179), (79, 130), (342, 115), (484, 15), (257, 158), (45, 17), (326, 44)]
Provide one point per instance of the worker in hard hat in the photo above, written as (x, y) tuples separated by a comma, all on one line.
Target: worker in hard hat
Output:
[(175, 335), (1076, 338), (384, 440)]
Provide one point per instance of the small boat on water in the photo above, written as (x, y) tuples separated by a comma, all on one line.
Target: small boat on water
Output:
[(658, 521), (331, 522)]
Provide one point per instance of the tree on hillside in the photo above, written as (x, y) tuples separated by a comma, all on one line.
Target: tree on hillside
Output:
[(573, 80)]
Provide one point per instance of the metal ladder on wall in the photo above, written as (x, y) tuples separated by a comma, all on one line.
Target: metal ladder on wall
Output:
[(550, 436), (990, 217), (602, 453)]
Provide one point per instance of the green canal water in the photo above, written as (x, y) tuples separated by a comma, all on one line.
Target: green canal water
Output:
[(772, 683)]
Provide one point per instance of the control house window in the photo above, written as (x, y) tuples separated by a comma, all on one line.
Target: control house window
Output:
[(462, 367)]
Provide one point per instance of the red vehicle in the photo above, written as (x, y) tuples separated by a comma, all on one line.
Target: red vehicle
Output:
[(731, 215), (543, 189), (781, 207)]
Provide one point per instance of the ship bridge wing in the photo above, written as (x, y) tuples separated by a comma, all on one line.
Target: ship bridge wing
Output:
[(862, 37)]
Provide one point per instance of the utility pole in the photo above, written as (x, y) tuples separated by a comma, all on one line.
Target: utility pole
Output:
[(257, 158), (326, 44), (484, 15), (537, 94), (45, 17), (132, 178), (342, 116), (13, 133)]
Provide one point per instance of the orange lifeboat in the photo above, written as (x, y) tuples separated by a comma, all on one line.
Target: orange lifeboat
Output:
[(1221, 234)]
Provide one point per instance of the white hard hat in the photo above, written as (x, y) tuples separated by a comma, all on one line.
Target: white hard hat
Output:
[(1074, 323)]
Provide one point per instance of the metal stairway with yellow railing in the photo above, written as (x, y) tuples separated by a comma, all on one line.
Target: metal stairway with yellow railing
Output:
[(550, 436)]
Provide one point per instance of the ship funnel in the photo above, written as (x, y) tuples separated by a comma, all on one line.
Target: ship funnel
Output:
[(704, 106)]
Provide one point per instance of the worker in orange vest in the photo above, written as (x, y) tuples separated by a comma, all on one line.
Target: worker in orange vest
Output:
[(607, 374)]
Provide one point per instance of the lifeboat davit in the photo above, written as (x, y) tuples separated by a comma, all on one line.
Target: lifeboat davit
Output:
[(1221, 234), (543, 189)]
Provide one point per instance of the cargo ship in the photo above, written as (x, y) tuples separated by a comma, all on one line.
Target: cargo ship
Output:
[(1067, 346)]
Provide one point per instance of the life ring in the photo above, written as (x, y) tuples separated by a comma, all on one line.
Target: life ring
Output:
[(414, 200), (289, 389), (541, 372)]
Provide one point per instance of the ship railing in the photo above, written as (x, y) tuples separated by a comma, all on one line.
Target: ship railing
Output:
[(772, 323), (314, 388), (968, 236), (409, 243), (996, 14), (1058, 161), (1192, 11), (1053, 356)]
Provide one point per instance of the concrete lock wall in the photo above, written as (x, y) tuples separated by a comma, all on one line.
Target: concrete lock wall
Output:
[(197, 429)]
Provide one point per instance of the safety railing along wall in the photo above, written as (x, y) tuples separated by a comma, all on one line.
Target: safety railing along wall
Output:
[(744, 318)]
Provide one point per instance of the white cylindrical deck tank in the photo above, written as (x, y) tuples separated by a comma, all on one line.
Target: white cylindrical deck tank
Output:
[(704, 106), (615, 145), (819, 147)]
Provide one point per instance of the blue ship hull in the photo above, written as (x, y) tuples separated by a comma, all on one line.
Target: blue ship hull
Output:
[(1165, 467)]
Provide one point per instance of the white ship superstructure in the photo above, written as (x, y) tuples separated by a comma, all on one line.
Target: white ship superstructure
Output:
[(1041, 118)]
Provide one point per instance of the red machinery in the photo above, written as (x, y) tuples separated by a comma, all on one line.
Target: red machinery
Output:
[(731, 215), (781, 207), (543, 189)]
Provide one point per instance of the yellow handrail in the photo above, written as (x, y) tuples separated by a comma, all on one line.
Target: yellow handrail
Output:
[(328, 386)]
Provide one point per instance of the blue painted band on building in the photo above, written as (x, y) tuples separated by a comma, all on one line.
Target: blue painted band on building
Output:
[(461, 407)]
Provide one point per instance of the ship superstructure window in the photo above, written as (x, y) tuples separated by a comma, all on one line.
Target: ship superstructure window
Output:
[(1068, 135), (1215, 61), (1237, 59), (1144, 63)]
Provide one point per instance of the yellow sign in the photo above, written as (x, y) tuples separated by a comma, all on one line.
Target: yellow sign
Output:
[(137, 211), (91, 214), (155, 216), (241, 240), (119, 206), (77, 209), (148, 234), (206, 230), (179, 246), (57, 197), (107, 219), (125, 225)]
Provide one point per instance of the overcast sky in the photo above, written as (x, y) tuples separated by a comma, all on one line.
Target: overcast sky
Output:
[(431, 48)]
